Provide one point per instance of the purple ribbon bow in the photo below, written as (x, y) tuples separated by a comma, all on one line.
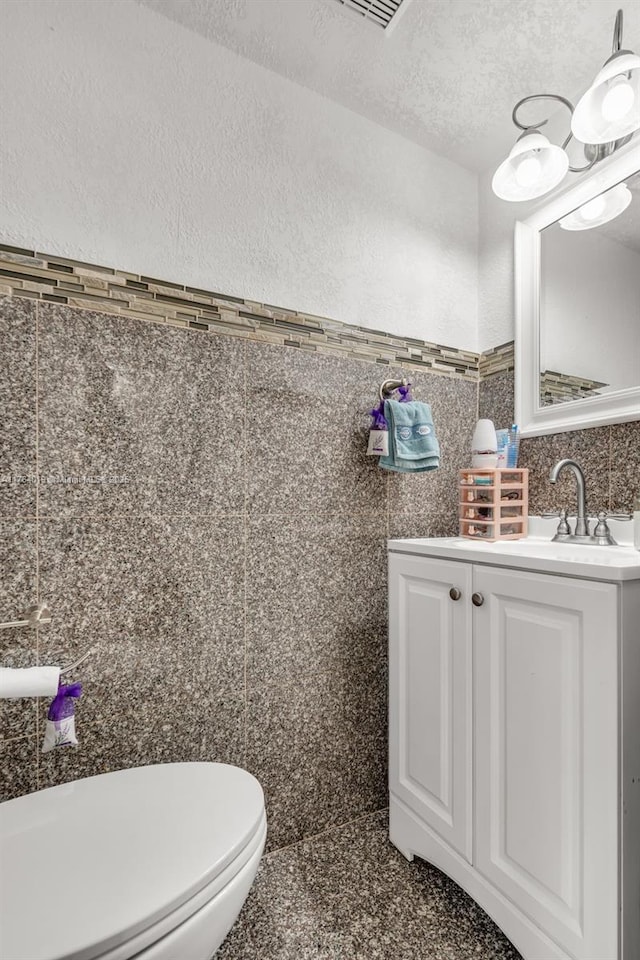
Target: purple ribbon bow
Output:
[(62, 705), (379, 422)]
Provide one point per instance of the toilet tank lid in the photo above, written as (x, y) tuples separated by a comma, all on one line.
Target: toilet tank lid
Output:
[(88, 864)]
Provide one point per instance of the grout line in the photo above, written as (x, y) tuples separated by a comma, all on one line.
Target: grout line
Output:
[(321, 833), (20, 736), (37, 438), (245, 544), (257, 515), (610, 469), (63, 517)]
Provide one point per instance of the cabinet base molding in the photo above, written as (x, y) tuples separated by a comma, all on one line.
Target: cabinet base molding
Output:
[(413, 838)]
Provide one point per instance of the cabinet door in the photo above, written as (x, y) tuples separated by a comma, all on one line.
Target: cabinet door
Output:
[(430, 693), (545, 665)]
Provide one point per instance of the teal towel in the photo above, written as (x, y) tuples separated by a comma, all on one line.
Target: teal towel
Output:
[(413, 446)]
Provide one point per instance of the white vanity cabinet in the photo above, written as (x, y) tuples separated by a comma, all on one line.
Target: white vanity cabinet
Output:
[(514, 744)]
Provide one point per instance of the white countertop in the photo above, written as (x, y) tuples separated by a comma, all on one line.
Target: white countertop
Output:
[(538, 552)]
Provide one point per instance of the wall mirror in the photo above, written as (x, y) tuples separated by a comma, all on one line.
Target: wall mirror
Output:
[(577, 296)]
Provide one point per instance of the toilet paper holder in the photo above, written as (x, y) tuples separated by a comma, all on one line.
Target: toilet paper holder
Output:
[(35, 616), (76, 663)]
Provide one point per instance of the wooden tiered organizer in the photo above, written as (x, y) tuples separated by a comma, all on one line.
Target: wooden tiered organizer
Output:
[(494, 504)]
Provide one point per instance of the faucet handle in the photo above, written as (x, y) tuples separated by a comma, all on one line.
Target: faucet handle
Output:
[(564, 530), (602, 532)]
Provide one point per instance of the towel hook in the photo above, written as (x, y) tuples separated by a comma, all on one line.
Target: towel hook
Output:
[(388, 386)]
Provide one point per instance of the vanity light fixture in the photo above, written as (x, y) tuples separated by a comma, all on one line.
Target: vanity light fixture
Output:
[(604, 120), (610, 109), (600, 210), (534, 166)]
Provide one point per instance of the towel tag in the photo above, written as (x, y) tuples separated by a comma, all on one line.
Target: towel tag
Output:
[(378, 443)]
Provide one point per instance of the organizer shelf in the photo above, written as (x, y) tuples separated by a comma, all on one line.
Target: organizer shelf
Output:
[(494, 504)]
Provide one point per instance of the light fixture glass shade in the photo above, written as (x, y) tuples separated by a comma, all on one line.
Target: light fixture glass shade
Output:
[(533, 167), (600, 210), (610, 109)]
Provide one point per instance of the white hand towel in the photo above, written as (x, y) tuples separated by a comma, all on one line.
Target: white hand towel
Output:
[(29, 682)]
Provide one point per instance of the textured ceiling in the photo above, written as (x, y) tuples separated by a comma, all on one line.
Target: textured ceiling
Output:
[(448, 73)]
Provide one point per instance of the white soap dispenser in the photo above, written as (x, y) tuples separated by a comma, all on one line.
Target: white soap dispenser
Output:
[(484, 446)]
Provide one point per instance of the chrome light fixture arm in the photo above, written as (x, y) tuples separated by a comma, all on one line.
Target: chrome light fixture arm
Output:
[(526, 128), (616, 46), (603, 120)]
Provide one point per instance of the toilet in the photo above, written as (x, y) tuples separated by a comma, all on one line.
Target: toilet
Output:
[(153, 863)]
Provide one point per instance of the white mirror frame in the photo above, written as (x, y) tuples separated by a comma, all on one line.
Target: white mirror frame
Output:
[(534, 419)]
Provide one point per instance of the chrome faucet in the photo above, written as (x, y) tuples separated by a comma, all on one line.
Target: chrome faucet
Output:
[(582, 522), (601, 535)]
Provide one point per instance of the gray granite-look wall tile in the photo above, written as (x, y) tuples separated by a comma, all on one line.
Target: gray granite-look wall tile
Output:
[(200, 731), (422, 523), (162, 599), (18, 406), (18, 590), (625, 465), (316, 595), (590, 448), (161, 407), (349, 895), (17, 767), (318, 747), (495, 399), (307, 423)]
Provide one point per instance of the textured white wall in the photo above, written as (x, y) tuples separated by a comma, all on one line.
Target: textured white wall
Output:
[(495, 243), (130, 141), (495, 265)]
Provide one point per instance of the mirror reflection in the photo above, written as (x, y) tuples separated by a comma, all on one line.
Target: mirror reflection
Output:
[(590, 298)]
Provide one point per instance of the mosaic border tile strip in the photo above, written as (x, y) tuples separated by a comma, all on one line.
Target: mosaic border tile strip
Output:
[(556, 387), (28, 273), (499, 359)]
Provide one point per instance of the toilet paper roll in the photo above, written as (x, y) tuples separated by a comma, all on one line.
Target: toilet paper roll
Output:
[(29, 682)]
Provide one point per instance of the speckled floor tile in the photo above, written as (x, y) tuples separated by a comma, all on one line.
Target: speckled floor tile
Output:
[(349, 895), (590, 448), (316, 595), (156, 412), (162, 600), (17, 767), (319, 749), (495, 399), (18, 406), (18, 647), (625, 465), (307, 433)]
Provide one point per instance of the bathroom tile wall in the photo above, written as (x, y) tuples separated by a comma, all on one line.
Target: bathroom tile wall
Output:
[(609, 455), (206, 517)]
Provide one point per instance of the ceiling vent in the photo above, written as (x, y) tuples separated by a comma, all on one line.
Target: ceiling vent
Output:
[(383, 12)]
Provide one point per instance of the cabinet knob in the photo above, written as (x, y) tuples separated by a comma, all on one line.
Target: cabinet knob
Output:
[(454, 593), (477, 599)]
